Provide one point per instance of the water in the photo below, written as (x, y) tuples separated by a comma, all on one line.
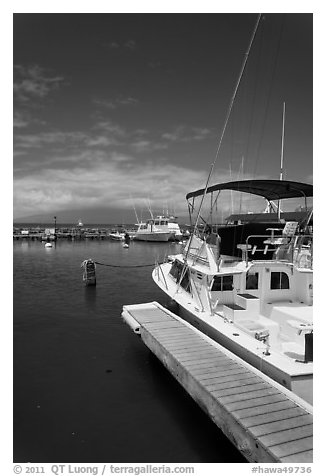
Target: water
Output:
[(86, 389)]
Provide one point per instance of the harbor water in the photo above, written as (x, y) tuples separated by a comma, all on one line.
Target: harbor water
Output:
[(86, 389)]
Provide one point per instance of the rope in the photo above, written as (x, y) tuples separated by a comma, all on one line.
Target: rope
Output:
[(128, 266)]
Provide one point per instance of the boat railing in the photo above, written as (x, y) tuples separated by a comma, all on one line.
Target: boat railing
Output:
[(296, 249)]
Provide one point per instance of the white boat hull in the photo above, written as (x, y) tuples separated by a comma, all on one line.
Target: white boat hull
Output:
[(152, 236), (117, 237), (226, 334)]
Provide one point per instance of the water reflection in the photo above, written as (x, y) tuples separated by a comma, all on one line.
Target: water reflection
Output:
[(90, 297)]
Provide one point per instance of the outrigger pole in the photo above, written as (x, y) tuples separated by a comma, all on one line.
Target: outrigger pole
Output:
[(228, 116)]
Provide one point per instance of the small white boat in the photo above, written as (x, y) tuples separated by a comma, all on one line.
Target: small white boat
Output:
[(48, 245), (116, 235)]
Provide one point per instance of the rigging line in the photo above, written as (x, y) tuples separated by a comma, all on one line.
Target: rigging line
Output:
[(228, 113)]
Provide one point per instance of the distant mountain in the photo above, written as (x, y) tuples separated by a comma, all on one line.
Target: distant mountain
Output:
[(97, 215)]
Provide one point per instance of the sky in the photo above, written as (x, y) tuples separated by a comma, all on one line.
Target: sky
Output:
[(121, 111)]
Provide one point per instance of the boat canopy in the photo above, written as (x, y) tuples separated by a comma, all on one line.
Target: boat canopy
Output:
[(269, 189)]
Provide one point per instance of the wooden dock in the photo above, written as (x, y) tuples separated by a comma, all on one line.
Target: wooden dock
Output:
[(265, 421)]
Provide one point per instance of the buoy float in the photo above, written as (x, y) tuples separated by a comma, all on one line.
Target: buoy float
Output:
[(89, 276), (125, 245)]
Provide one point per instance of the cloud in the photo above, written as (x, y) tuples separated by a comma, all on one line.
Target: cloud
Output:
[(33, 82), (109, 126), (37, 141), (101, 141), (20, 120), (146, 146), (97, 179), (116, 103), (130, 45), (187, 134), (110, 183)]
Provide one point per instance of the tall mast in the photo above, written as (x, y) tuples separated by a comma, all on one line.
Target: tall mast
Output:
[(282, 156)]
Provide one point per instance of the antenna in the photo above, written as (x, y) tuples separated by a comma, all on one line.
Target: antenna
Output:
[(149, 208), (133, 204)]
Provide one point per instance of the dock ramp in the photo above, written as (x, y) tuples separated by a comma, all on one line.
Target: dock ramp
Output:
[(266, 422)]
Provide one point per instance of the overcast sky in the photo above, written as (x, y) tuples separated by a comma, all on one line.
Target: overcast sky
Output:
[(113, 110)]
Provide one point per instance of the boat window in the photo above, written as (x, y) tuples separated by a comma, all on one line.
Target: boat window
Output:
[(176, 270), (185, 283), (279, 280), (252, 281), (223, 283), (157, 222)]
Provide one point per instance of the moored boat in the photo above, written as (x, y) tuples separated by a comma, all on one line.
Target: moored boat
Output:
[(116, 235), (160, 228), (260, 309), (149, 231)]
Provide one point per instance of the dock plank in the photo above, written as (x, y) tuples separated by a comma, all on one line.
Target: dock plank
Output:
[(274, 416), (144, 317), (302, 457), (279, 425), (218, 365), (293, 448), (243, 389), (182, 344), (266, 392), (255, 402), (284, 436), (234, 383), (202, 366), (271, 407)]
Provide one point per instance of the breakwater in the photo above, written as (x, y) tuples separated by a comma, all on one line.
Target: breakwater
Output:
[(70, 233)]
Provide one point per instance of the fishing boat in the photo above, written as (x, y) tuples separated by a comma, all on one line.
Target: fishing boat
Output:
[(260, 309), (154, 230), (162, 224), (257, 305)]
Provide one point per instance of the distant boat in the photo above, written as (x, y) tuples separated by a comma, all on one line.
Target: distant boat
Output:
[(150, 232), (80, 223), (48, 245), (116, 235), (161, 228)]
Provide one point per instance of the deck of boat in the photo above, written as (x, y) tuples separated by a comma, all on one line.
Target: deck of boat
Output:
[(264, 421)]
